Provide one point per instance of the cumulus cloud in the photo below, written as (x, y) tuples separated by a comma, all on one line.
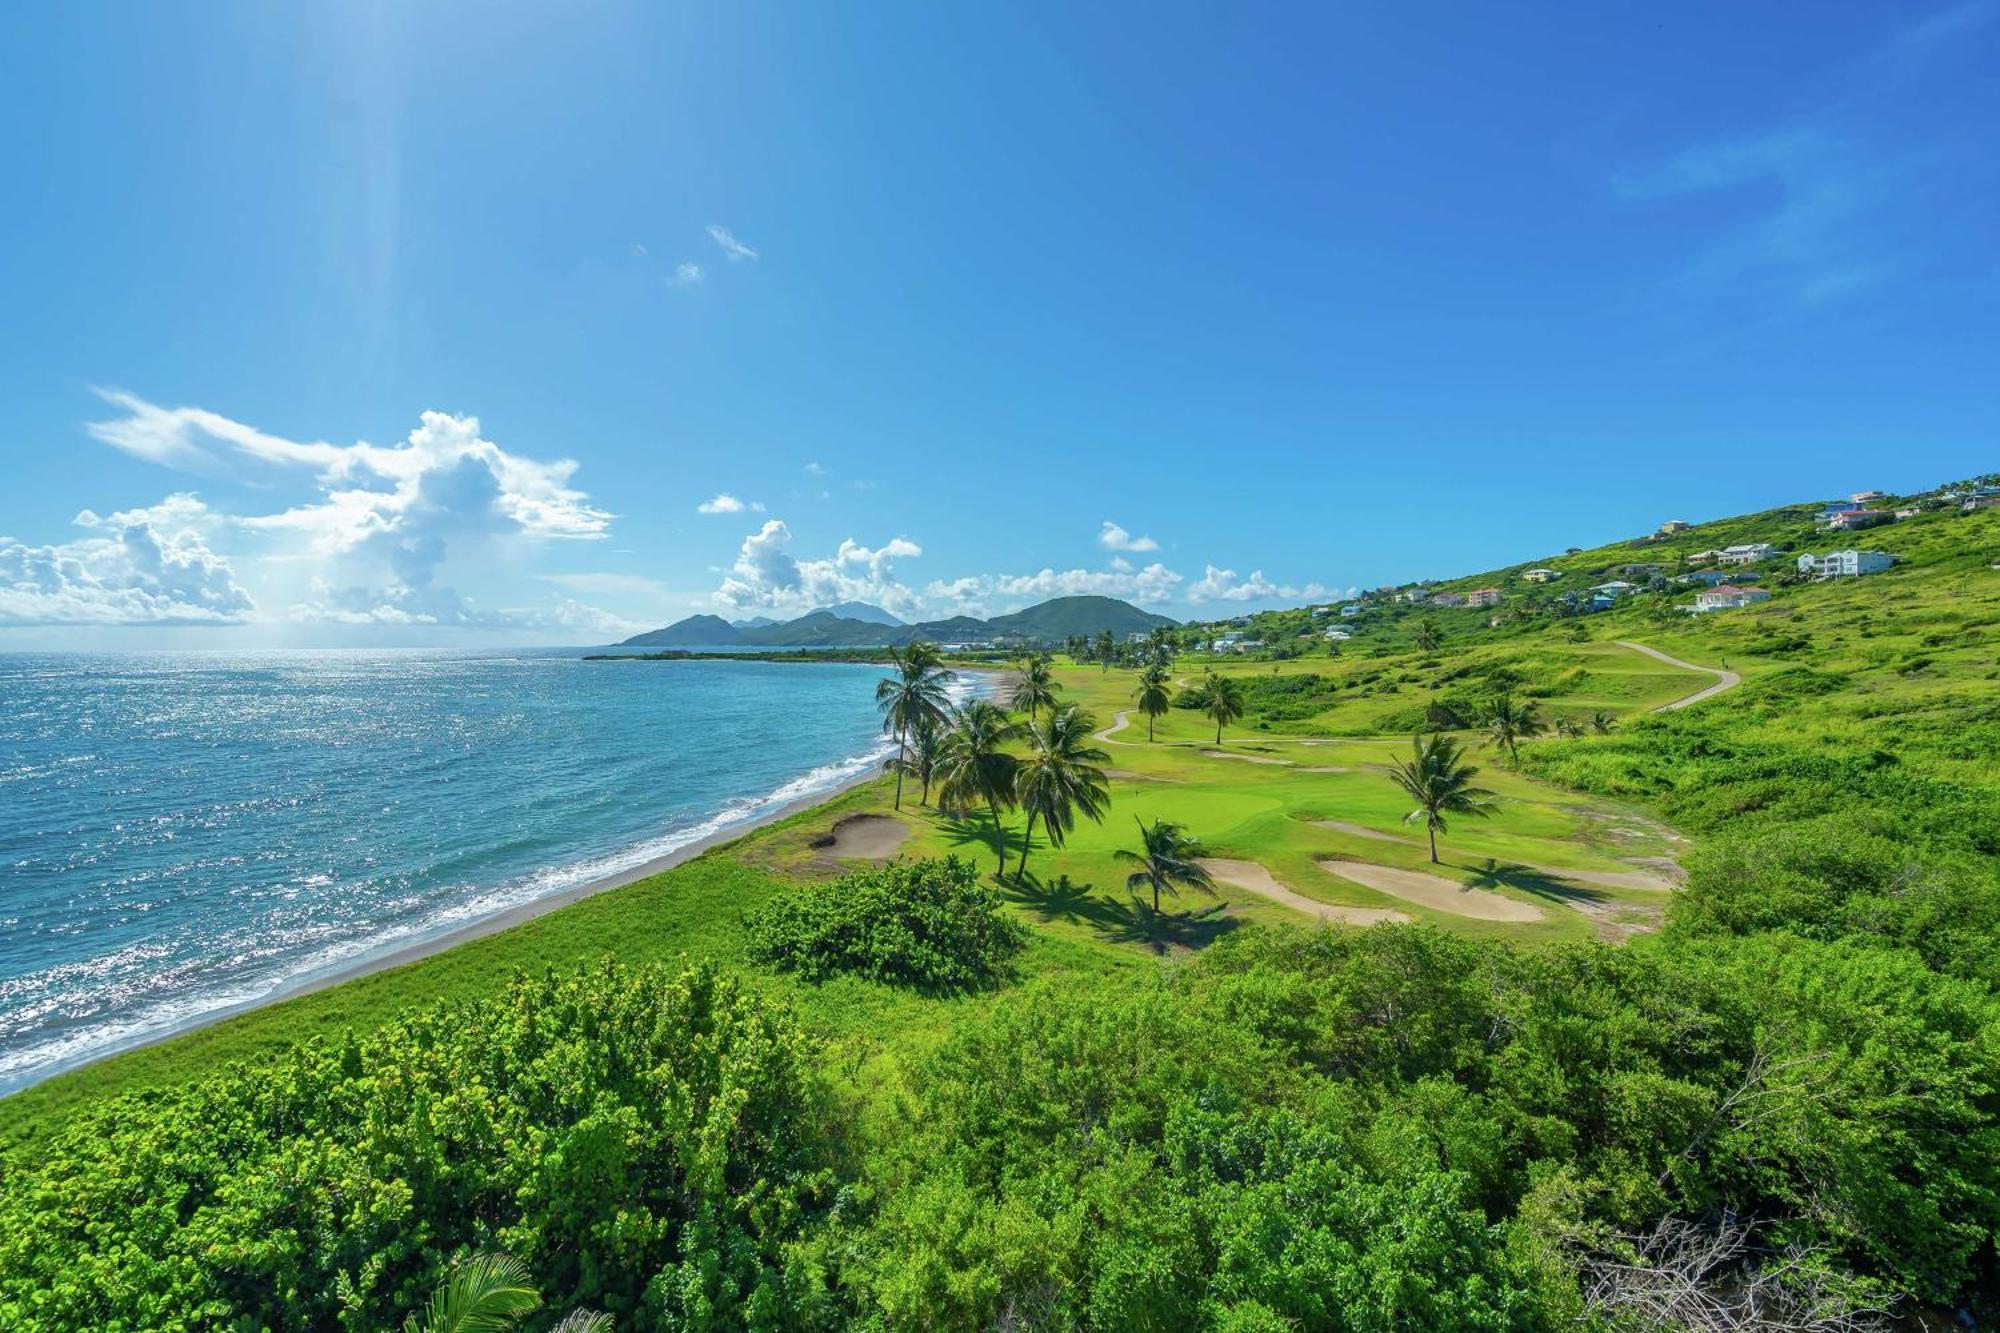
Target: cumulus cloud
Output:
[(1114, 538), (685, 275), (732, 247), (1223, 585), (979, 593), (726, 503), (383, 521), (149, 566), (765, 574)]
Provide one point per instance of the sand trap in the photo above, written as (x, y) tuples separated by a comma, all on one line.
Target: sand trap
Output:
[(864, 837), (1129, 775), (1252, 876), (1247, 758), (1363, 831), (1326, 768), (1433, 891)]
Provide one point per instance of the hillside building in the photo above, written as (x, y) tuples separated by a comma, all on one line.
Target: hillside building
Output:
[(1748, 553), (1483, 597), (1541, 575), (1728, 597), (1844, 564)]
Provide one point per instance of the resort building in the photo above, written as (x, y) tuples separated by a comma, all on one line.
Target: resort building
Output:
[(1674, 525), (1483, 597), (1702, 557), (1615, 588), (1448, 599), (1972, 502), (1336, 635), (1910, 511), (1858, 518), (1844, 564), (1351, 610), (1541, 575), (1728, 597), (1864, 497), (1749, 553)]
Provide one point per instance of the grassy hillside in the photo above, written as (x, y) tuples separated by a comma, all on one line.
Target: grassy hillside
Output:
[(1555, 1070)]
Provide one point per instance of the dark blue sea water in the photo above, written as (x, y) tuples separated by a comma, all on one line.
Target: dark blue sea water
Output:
[(185, 833)]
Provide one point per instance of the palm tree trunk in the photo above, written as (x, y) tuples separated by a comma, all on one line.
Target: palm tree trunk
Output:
[(1027, 842), (1150, 720), (1156, 897), (901, 755), (1431, 829), (1218, 731), (999, 837)]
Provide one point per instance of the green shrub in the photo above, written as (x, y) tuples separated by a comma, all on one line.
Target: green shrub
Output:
[(649, 1142), (929, 925)]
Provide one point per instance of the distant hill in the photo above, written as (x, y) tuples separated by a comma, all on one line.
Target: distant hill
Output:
[(1062, 617), (754, 622), (1050, 622), (694, 632), (863, 611)]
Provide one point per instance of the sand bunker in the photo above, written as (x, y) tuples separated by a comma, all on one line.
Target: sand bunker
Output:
[(1254, 877), (864, 838), (1247, 758), (1363, 831), (1433, 891)]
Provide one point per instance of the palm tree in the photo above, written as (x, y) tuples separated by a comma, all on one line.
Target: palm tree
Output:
[(1152, 696), (974, 767), (1602, 722), (1224, 703), (911, 698), (1107, 649), (1060, 777), (1034, 686), (1428, 639), (1440, 782), (1161, 642), (490, 1293), (1509, 723), (921, 759), (1168, 861)]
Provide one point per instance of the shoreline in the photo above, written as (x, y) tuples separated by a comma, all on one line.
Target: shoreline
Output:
[(985, 680)]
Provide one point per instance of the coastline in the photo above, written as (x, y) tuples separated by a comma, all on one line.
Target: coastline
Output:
[(984, 679)]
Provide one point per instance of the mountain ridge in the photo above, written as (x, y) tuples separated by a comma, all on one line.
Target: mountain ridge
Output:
[(1051, 621)]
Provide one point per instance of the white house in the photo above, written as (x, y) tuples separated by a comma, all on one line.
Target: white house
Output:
[(1321, 610), (1727, 597), (1749, 553), (1702, 557), (1844, 564), (1615, 588), (1483, 597), (1863, 497), (1337, 635), (1351, 610), (1541, 575)]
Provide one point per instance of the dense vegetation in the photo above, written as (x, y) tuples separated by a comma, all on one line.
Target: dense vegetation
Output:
[(1785, 1107), (648, 1142), (930, 925)]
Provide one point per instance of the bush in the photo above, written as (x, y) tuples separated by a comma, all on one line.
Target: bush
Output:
[(929, 925), (649, 1142)]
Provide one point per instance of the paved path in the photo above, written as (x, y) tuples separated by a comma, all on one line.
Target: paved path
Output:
[(1118, 724), (1724, 679)]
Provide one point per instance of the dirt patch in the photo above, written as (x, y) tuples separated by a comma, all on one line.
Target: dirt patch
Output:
[(1128, 775), (1615, 923), (1612, 879), (863, 838), (1326, 768), (1432, 891), (1247, 758), (1252, 876)]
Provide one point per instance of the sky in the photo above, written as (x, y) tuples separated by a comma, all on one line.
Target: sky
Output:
[(453, 324)]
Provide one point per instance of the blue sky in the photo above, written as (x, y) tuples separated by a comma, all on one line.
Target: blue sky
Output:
[(427, 323)]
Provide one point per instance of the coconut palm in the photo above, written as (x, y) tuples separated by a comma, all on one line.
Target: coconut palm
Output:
[(1161, 645), (1509, 722), (1060, 778), (1428, 639), (1107, 649), (1152, 696), (974, 767), (1440, 781), (920, 758), (1034, 686), (490, 1293), (1168, 861), (1602, 722), (912, 697), (1224, 701)]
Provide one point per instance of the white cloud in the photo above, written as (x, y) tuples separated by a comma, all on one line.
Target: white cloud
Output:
[(726, 503), (732, 247), (766, 575), (1114, 538), (1222, 585), (608, 585), (685, 275), (383, 523), (979, 594), (138, 567), (815, 469)]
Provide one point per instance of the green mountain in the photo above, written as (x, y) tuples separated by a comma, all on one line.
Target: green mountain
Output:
[(1050, 622), (867, 611), (1062, 617)]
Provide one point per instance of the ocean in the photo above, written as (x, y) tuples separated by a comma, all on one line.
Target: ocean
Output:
[(183, 834)]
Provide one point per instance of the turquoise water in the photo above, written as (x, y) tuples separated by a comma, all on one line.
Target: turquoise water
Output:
[(181, 834)]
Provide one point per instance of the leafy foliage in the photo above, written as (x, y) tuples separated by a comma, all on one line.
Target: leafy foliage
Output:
[(925, 924), (647, 1142)]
